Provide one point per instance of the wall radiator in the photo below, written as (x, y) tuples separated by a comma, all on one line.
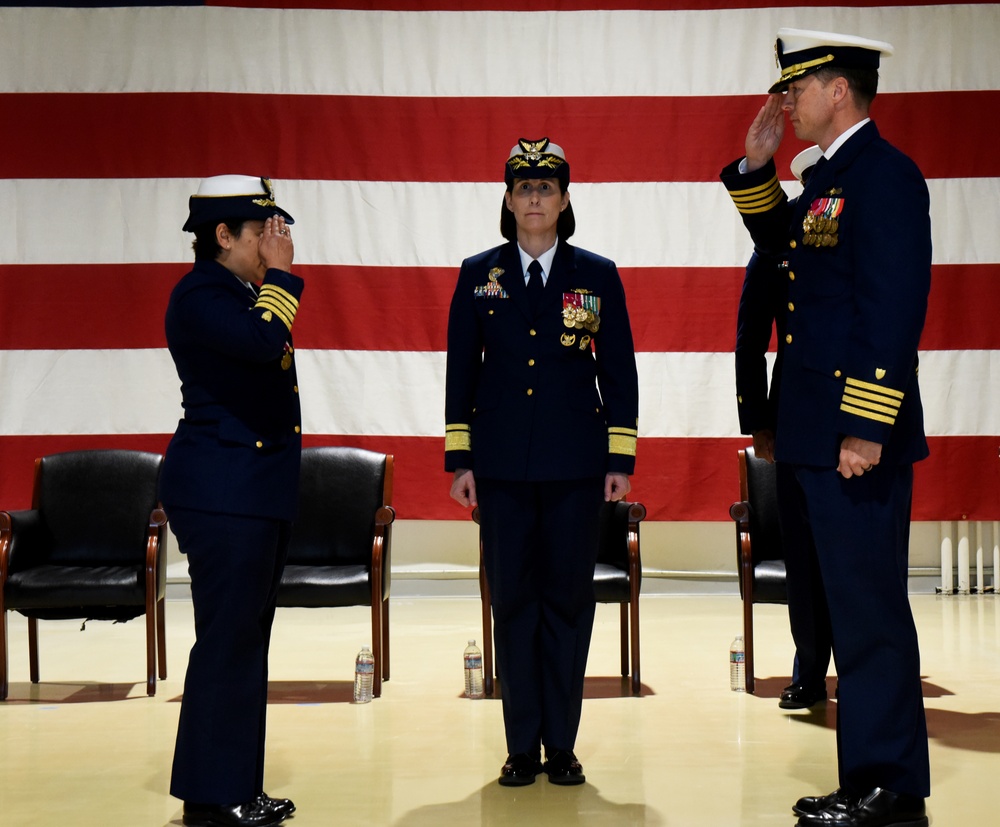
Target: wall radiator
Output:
[(965, 549)]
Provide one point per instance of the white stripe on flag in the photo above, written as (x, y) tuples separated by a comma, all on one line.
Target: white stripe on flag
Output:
[(588, 53), (413, 224), (402, 392)]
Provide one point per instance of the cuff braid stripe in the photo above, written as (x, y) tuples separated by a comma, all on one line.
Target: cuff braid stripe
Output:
[(272, 293), (758, 199), (457, 438), (622, 441), (888, 420), (280, 302), (868, 386), (277, 311)]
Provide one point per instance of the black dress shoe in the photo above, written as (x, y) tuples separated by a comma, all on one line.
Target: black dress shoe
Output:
[(519, 770), (562, 767), (879, 808), (282, 806), (817, 803), (250, 814), (797, 696)]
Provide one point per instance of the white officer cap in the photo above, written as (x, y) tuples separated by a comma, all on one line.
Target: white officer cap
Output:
[(801, 52)]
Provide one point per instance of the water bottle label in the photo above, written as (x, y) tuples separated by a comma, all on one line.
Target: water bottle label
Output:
[(365, 668), (737, 657), (473, 661)]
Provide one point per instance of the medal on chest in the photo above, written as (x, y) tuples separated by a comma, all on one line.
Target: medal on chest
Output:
[(582, 311), (822, 222)]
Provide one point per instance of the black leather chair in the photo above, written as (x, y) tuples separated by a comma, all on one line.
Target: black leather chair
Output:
[(617, 579), (339, 552), (92, 546), (760, 559)]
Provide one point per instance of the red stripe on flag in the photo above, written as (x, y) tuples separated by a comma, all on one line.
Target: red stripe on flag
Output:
[(329, 137), (67, 307), (677, 479)]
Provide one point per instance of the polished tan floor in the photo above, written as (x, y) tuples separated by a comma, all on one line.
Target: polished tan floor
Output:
[(86, 747)]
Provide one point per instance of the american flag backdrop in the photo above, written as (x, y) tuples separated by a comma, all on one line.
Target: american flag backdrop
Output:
[(384, 126)]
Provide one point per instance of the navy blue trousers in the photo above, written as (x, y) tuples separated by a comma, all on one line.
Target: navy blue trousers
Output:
[(235, 565), (856, 531), (540, 544), (808, 617)]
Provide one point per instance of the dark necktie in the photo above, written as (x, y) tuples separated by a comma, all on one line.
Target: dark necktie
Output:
[(535, 285), (813, 175)]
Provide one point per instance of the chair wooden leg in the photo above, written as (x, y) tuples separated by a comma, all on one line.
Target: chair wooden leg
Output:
[(3, 653), (161, 636), (377, 646), (33, 649), (150, 631), (623, 610), (748, 643), (385, 639), (634, 631), (151, 648)]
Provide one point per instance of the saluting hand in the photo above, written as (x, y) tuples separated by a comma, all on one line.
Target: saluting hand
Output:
[(765, 134), (276, 248)]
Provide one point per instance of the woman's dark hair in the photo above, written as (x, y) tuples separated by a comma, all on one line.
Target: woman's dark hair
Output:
[(205, 244), (565, 226)]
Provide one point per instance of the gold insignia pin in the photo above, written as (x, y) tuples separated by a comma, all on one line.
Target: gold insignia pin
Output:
[(880, 373), (266, 316), (495, 273), (269, 189)]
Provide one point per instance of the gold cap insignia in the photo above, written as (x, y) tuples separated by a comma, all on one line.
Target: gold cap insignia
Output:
[(536, 159), (269, 191)]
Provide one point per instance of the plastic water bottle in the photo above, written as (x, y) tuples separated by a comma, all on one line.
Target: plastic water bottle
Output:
[(737, 665), (473, 671), (364, 676)]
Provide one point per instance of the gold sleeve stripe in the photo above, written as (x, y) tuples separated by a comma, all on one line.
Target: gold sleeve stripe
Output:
[(622, 441), (888, 420), (282, 294), (457, 438), (863, 405), (868, 386), (758, 199), (871, 401), (280, 302), (276, 295), (278, 311)]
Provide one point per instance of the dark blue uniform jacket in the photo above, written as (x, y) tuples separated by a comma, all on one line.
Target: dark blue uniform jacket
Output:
[(237, 449), (763, 301), (538, 396), (859, 265)]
